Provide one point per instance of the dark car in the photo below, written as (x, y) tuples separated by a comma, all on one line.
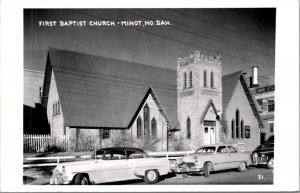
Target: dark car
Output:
[(264, 154)]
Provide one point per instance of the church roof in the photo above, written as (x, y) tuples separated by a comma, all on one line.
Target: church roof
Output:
[(229, 83), (101, 92)]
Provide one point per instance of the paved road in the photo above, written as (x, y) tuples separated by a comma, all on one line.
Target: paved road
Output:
[(261, 175)]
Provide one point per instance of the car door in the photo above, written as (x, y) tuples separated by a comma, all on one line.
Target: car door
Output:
[(95, 169), (235, 156), (222, 158), (115, 166)]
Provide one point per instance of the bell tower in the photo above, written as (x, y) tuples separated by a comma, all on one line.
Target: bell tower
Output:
[(199, 98)]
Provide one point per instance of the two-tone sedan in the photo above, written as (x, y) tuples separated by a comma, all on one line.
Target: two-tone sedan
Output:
[(111, 165), (211, 158)]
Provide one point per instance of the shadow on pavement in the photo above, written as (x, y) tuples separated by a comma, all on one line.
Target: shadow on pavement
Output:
[(28, 180)]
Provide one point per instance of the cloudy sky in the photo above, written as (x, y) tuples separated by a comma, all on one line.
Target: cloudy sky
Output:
[(244, 37)]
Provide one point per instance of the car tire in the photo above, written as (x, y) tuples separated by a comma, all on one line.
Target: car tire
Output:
[(242, 167), (270, 163), (81, 179), (151, 176), (207, 169)]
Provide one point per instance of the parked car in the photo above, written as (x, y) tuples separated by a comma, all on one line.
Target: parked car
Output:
[(264, 154), (211, 158), (111, 165)]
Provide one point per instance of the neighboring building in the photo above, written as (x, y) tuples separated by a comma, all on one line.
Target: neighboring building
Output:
[(34, 116), (265, 97), (111, 102)]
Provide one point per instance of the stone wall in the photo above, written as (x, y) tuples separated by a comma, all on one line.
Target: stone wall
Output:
[(55, 120), (192, 101), (239, 101)]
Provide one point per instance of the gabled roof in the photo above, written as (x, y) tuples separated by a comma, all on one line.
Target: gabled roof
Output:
[(101, 92), (229, 84), (209, 104)]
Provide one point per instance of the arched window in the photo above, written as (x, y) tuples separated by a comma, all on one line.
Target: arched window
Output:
[(242, 129), (154, 128), (232, 129), (237, 125), (58, 107), (188, 128), (139, 128), (146, 121), (185, 80), (204, 79), (212, 80), (191, 79)]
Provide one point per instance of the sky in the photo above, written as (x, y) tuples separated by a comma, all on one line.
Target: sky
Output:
[(244, 37)]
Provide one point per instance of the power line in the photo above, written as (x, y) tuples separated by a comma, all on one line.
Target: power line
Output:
[(219, 26), (234, 44), (181, 42)]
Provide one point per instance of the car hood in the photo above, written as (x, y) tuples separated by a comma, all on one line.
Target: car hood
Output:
[(193, 158), (263, 151)]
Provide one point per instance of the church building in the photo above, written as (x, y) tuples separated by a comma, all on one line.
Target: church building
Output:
[(102, 102)]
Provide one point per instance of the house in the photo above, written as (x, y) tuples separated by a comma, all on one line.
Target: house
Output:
[(34, 115), (102, 102)]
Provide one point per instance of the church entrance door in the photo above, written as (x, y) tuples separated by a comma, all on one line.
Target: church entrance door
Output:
[(209, 132)]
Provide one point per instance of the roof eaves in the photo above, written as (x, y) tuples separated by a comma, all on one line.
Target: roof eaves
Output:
[(139, 106), (253, 102), (162, 108)]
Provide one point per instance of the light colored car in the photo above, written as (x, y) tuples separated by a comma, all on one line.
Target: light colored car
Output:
[(111, 165), (211, 158)]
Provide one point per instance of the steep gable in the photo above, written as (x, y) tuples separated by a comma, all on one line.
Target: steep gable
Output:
[(230, 84)]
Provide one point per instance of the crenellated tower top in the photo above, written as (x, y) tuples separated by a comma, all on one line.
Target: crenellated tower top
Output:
[(198, 57)]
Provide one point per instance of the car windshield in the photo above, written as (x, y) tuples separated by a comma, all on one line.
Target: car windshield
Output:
[(208, 149)]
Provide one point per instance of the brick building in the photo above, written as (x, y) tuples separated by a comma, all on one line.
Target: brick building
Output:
[(106, 102), (265, 97)]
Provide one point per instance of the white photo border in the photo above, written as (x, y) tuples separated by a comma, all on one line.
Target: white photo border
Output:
[(286, 171)]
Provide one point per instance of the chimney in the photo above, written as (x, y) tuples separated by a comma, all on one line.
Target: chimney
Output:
[(254, 79)]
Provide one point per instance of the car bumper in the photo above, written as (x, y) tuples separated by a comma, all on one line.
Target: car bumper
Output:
[(259, 160), (58, 179), (187, 169)]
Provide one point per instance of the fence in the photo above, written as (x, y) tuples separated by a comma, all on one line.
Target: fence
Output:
[(45, 143), (53, 161)]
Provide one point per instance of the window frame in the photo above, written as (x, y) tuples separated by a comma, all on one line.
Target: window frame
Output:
[(188, 128), (139, 132), (154, 129), (146, 120), (205, 79), (212, 81)]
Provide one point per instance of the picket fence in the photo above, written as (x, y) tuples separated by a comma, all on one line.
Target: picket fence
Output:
[(45, 143)]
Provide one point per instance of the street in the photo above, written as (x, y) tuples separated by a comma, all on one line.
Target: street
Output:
[(253, 175)]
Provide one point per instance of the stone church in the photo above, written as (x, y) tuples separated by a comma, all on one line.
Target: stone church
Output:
[(102, 102)]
